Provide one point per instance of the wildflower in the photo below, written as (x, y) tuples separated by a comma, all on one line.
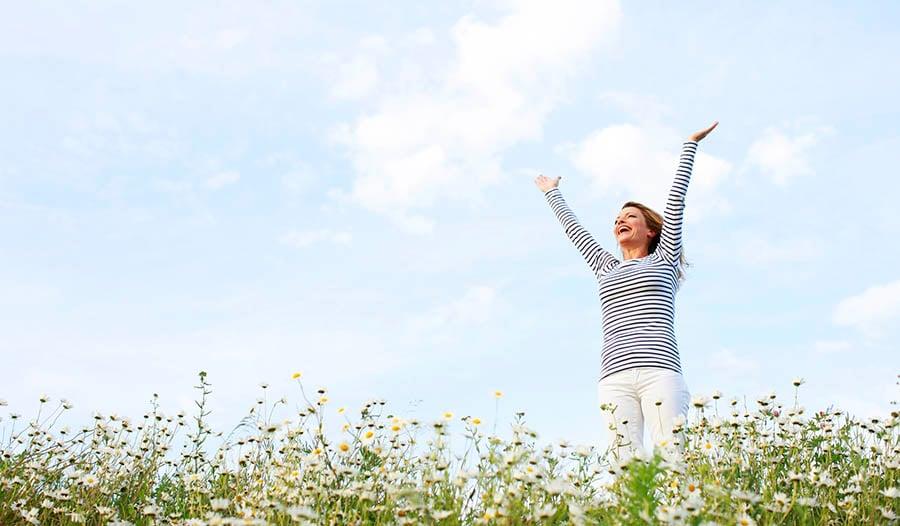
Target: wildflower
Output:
[(780, 498), (693, 503), (368, 437), (810, 502), (150, 510), (30, 516), (296, 376), (44, 398), (344, 447), (716, 394), (476, 421), (691, 488), (746, 496), (797, 381), (745, 520), (322, 400), (264, 385), (583, 451), (498, 394), (891, 493), (301, 512), (448, 416), (220, 504), (89, 480), (699, 402), (341, 410), (544, 512), (3, 403), (888, 514)]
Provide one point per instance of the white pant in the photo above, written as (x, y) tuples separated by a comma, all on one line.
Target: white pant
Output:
[(634, 394)]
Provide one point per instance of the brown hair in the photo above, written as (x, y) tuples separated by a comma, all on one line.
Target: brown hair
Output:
[(655, 223)]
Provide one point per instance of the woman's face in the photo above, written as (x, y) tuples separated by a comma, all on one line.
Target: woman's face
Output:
[(631, 228)]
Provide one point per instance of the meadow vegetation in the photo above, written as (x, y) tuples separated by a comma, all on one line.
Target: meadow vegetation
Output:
[(726, 464)]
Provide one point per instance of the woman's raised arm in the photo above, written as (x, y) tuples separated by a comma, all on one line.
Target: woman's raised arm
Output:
[(596, 257), (670, 237)]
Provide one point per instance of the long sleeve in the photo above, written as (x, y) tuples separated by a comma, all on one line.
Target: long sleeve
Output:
[(596, 257), (670, 238)]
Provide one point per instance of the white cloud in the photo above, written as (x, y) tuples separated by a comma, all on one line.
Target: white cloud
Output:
[(475, 307), (832, 346), (95, 138), (728, 362), (873, 311), (298, 179), (442, 136), (423, 36), (644, 108), (303, 239), (218, 38), (756, 249), (296, 174), (358, 76), (639, 162), (173, 186), (222, 179), (781, 156)]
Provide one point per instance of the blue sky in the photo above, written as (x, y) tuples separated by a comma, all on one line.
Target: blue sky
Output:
[(346, 190)]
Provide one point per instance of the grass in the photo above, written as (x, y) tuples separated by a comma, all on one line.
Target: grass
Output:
[(769, 464)]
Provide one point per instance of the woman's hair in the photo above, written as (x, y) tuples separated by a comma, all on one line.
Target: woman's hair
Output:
[(655, 223)]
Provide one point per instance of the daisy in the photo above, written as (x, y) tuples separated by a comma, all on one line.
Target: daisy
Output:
[(891, 493), (700, 402), (368, 437)]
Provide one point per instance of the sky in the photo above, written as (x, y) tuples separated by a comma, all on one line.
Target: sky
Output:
[(346, 189)]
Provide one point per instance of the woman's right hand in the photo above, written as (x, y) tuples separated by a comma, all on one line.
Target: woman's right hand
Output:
[(546, 184)]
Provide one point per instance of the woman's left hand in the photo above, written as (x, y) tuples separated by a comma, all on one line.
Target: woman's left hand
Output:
[(697, 137)]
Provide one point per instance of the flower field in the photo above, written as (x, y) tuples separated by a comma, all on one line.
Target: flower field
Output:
[(772, 463)]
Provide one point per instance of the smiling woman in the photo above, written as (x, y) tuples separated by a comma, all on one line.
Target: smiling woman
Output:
[(641, 377), (635, 223)]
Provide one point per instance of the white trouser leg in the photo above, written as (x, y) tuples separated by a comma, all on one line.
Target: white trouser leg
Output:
[(669, 389), (622, 416)]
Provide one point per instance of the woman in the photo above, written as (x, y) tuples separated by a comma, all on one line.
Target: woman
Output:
[(640, 377)]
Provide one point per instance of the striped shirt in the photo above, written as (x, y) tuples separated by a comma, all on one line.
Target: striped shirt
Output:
[(637, 296)]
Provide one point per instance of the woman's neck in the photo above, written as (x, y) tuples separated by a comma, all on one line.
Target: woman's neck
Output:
[(633, 253)]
